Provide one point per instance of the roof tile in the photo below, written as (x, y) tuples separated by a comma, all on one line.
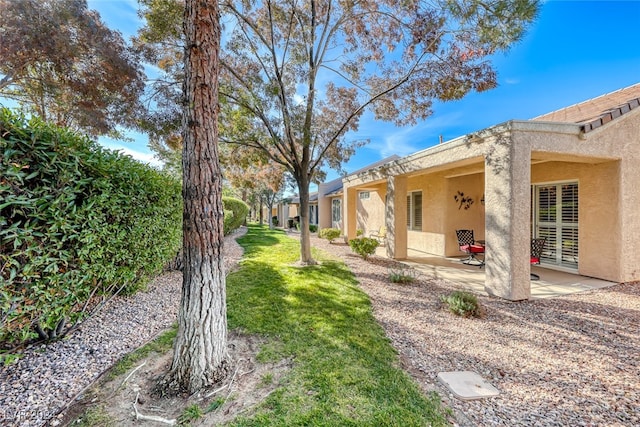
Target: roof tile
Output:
[(596, 112)]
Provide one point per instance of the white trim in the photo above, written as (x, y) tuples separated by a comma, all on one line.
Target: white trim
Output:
[(535, 204), (411, 226), (564, 181), (334, 222)]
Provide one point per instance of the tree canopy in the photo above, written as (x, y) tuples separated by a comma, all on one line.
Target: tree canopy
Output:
[(59, 61), (306, 71)]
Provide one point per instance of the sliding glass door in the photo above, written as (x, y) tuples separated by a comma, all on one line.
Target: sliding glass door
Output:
[(556, 218)]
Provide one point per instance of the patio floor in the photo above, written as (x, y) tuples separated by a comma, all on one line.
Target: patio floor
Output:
[(552, 283)]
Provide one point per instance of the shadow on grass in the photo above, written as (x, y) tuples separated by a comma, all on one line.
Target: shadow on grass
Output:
[(257, 237), (344, 367)]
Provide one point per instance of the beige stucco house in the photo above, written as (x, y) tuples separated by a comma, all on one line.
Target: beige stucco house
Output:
[(571, 176), (325, 204), (281, 210), (313, 207), (330, 204)]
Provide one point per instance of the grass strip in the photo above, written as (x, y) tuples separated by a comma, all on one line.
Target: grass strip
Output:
[(345, 370)]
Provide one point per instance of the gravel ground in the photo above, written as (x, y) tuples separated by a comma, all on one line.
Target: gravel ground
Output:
[(47, 378), (568, 361)]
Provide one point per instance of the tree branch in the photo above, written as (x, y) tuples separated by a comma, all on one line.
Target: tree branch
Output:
[(359, 110)]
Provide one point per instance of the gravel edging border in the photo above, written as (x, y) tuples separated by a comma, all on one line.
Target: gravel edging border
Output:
[(46, 380), (567, 361), (573, 360)]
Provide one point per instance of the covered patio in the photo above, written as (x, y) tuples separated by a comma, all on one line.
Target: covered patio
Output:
[(509, 184), (552, 283)]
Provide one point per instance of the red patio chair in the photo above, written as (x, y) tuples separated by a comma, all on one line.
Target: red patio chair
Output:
[(537, 245), (470, 246)]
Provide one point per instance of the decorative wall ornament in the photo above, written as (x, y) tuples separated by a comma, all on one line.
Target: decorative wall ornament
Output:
[(463, 200)]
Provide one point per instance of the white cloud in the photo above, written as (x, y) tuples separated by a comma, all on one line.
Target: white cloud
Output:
[(399, 143), (387, 139), (148, 158)]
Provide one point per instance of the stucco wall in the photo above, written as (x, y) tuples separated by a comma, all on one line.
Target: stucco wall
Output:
[(349, 212), (598, 217), (460, 218), (516, 154), (324, 210), (324, 201), (424, 243), (370, 212), (609, 193), (627, 138), (441, 214)]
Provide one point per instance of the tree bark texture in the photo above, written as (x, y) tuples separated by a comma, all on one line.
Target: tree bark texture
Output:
[(305, 235), (270, 210), (200, 353)]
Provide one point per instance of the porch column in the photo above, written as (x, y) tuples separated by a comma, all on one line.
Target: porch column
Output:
[(507, 218), (396, 217), (350, 213), (629, 227)]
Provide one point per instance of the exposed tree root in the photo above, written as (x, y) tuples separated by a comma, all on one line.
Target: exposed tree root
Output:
[(226, 385), (126, 379), (154, 418)]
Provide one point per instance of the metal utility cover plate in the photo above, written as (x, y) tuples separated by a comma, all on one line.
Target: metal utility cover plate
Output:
[(467, 385)]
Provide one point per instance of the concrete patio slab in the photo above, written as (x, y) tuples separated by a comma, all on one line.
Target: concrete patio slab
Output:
[(467, 385), (552, 283)]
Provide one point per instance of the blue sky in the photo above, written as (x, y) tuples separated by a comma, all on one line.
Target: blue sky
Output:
[(576, 50)]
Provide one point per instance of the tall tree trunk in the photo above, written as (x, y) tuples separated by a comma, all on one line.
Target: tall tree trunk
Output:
[(305, 236), (261, 213), (200, 354), (270, 209), (244, 199)]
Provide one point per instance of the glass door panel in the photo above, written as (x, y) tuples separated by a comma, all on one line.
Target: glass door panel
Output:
[(556, 219)]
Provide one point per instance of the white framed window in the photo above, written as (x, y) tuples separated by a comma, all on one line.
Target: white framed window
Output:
[(364, 195), (313, 214), (336, 212), (414, 210)]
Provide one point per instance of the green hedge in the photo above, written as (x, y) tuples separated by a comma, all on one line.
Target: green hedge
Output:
[(75, 220), (235, 213)]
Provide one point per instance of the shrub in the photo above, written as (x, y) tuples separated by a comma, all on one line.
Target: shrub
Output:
[(76, 220), (235, 213), (462, 304), (274, 221), (402, 275), (313, 228), (329, 233), (364, 246)]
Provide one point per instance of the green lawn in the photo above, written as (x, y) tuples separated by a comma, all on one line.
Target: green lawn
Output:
[(345, 371)]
